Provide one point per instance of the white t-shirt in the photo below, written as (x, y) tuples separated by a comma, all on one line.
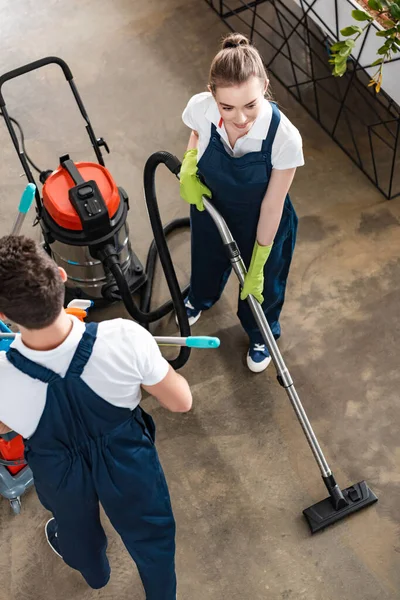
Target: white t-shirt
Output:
[(287, 148), (125, 355)]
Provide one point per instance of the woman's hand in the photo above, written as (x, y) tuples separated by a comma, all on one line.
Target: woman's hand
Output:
[(254, 280), (191, 188)]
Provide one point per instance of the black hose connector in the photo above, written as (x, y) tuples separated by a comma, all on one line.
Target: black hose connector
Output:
[(110, 260), (336, 494), (44, 175)]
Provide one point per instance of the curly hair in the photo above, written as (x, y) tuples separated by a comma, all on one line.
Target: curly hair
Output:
[(31, 288)]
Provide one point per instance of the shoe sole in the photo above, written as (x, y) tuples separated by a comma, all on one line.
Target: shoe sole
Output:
[(47, 538), (257, 367)]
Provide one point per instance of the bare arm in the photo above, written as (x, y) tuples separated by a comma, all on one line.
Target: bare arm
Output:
[(172, 392), (272, 205), (4, 428), (193, 141)]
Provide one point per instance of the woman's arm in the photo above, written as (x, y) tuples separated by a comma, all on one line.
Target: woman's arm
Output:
[(272, 205), (193, 141), (4, 428)]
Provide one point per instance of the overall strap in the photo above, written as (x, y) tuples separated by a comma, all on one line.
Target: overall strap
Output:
[(214, 131), (83, 351), (273, 128), (27, 366)]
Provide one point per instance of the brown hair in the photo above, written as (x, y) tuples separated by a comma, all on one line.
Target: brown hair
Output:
[(31, 287), (235, 63)]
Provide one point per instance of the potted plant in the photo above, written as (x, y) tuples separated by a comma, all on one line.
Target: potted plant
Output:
[(384, 12)]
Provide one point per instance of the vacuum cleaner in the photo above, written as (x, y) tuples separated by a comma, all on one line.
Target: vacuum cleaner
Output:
[(340, 503), (82, 214), (83, 221)]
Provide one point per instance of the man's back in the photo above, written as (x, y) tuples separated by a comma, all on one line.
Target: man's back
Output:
[(87, 450), (75, 397), (124, 357)]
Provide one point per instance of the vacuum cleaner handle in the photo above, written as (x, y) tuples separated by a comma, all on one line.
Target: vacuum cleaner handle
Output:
[(340, 503), (97, 143), (33, 66), (284, 377)]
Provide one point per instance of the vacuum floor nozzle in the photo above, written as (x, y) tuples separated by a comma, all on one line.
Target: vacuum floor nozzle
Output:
[(322, 514)]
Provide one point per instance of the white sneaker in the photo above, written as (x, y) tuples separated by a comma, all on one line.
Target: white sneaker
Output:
[(192, 313), (51, 536), (258, 358)]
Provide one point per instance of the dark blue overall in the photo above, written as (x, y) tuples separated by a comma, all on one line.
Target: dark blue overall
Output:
[(238, 187), (86, 450)]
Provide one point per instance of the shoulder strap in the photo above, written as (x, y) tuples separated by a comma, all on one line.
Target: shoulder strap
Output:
[(83, 351), (214, 130), (27, 366), (273, 128)]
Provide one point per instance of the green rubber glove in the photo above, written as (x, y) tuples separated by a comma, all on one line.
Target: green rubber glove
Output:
[(254, 280), (191, 188)]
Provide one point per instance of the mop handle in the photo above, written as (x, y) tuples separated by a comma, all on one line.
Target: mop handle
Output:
[(200, 341), (24, 206), (195, 341)]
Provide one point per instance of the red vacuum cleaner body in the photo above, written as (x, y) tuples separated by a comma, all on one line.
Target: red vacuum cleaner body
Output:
[(84, 209)]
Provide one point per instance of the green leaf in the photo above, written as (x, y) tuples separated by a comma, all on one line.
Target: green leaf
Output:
[(345, 51), (375, 5), (383, 50), (339, 60), (377, 62), (393, 31), (360, 15), (351, 30), (338, 46), (340, 69), (395, 11)]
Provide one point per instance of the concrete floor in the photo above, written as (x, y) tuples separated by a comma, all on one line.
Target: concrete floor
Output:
[(239, 469)]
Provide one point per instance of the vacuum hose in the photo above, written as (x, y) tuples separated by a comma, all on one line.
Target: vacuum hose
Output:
[(159, 247)]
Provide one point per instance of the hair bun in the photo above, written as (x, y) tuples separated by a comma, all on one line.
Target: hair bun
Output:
[(234, 40)]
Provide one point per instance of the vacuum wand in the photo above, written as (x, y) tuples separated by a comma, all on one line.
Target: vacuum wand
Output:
[(340, 502)]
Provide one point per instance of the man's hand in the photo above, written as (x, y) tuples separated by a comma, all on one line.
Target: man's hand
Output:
[(172, 392)]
